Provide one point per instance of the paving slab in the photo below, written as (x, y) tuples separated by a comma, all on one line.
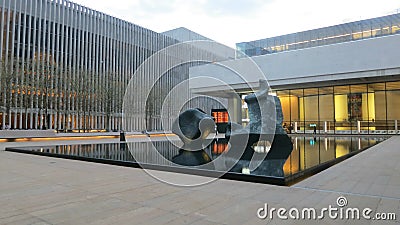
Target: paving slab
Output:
[(372, 172), (42, 190)]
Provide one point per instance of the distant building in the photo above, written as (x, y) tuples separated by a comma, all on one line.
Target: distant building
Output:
[(66, 67), (341, 79), (363, 29), (183, 34)]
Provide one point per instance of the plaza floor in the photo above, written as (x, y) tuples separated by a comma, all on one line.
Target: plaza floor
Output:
[(42, 190)]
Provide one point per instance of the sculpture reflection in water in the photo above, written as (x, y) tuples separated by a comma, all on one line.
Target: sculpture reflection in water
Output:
[(193, 127), (263, 142)]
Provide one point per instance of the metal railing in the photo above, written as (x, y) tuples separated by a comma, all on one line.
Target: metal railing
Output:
[(389, 127)]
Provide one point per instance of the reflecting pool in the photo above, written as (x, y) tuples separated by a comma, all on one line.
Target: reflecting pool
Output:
[(310, 152), (310, 155)]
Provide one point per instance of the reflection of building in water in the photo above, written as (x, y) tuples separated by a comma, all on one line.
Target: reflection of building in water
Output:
[(162, 152), (157, 152), (303, 157), (307, 154), (221, 118), (219, 147), (110, 151)]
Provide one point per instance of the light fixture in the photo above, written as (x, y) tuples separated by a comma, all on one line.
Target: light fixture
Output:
[(262, 147)]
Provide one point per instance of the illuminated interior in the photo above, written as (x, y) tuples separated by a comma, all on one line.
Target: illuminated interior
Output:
[(221, 118), (372, 108)]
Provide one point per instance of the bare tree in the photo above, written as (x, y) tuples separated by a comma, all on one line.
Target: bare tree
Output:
[(155, 102), (86, 92), (28, 88), (7, 79), (111, 97)]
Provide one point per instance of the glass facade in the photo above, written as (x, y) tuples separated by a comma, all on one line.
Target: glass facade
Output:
[(346, 109), (362, 108), (381, 26), (66, 67)]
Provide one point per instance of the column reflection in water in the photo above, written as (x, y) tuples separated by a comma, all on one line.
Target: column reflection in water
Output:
[(327, 150), (326, 144), (307, 152), (310, 152), (109, 151)]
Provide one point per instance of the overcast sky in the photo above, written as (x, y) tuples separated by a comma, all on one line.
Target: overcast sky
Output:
[(233, 21)]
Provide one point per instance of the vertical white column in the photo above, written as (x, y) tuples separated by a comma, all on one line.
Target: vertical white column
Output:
[(359, 127), (235, 109), (326, 127), (8, 94), (42, 69), (54, 68), (2, 22), (15, 64), (295, 127), (34, 99)]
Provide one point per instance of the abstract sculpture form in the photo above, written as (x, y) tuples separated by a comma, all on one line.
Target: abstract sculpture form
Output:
[(193, 126), (263, 140), (261, 131)]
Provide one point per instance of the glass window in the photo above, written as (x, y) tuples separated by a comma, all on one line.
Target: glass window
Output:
[(326, 108), (285, 99), (361, 88), (311, 106), (366, 32), (342, 89), (393, 102), (376, 32), (311, 92), (395, 29), (358, 103), (393, 86), (341, 107), (325, 90), (386, 30), (298, 92), (376, 87), (296, 107), (283, 93), (357, 35), (379, 96)]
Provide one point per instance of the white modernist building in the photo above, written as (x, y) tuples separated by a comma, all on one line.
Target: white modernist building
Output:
[(351, 85)]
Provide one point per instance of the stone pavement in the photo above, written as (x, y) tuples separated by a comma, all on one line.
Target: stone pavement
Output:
[(42, 190)]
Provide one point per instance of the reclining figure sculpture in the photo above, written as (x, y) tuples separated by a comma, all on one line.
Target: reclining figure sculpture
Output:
[(193, 127), (263, 135), (265, 132)]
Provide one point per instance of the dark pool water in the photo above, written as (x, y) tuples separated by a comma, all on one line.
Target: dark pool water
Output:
[(310, 155)]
